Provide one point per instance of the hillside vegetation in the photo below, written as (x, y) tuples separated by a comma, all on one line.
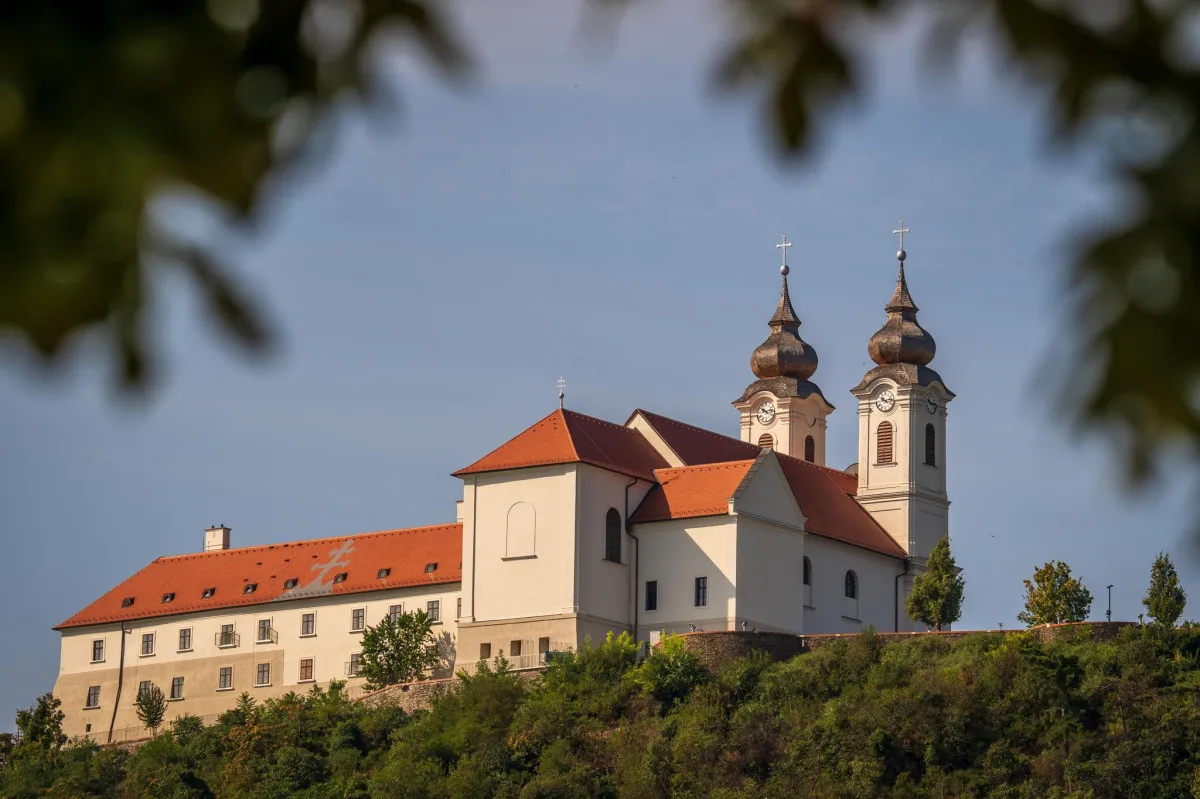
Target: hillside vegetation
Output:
[(985, 715)]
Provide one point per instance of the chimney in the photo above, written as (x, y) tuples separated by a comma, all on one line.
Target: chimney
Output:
[(216, 538)]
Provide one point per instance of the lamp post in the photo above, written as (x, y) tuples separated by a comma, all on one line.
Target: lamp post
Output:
[(1108, 613)]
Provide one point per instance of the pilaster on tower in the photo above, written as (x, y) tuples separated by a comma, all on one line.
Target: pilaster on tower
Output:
[(783, 409)]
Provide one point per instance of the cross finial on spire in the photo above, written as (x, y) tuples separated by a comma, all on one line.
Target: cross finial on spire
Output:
[(562, 391), (901, 254), (783, 269)]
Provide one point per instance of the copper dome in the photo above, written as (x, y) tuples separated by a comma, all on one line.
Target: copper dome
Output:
[(784, 353), (901, 339)]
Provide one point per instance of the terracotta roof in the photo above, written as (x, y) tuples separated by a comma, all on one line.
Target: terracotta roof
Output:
[(825, 495), (569, 437), (315, 564), (695, 445), (826, 498), (691, 491)]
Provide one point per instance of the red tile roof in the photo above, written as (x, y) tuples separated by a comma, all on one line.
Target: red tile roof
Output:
[(695, 445), (314, 564), (827, 500), (691, 491), (825, 495), (569, 437)]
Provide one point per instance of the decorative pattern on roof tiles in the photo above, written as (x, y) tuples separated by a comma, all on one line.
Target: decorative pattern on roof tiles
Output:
[(314, 564)]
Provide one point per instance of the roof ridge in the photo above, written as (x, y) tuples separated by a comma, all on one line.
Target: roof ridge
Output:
[(702, 466), (297, 542), (842, 472), (556, 412), (698, 429)]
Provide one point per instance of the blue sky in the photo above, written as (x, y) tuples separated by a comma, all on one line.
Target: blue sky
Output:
[(601, 216)]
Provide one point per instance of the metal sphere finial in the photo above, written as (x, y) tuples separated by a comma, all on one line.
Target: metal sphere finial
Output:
[(901, 255), (784, 270)]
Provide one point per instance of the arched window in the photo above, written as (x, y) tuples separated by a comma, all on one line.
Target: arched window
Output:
[(807, 571), (810, 449), (612, 536), (883, 445), (851, 585), (930, 445), (765, 441)]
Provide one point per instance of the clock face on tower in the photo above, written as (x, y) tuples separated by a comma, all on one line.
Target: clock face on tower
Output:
[(886, 400), (766, 412)]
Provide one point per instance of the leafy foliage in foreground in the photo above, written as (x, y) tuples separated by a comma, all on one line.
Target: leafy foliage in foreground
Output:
[(980, 716)]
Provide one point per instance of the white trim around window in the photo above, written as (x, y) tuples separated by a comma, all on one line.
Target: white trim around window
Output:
[(312, 670), (359, 620)]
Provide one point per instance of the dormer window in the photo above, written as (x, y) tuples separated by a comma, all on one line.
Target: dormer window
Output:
[(127, 602), (290, 583), (430, 568), (250, 588), (207, 593), (168, 597), (383, 573), (340, 577)]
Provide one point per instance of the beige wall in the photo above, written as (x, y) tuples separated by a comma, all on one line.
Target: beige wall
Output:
[(330, 648), (831, 611), (541, 582), (605, 588), (675, 553)]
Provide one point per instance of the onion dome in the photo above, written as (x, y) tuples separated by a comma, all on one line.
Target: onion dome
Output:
[(902, 348), (784, 353), (784, 362), (901, 339)]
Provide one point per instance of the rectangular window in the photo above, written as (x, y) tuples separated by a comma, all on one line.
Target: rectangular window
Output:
[(226, 638), (355, 664), (93, 697), (652, 595), (98, 650), (143, 687), (543, 645), (262, 674), (225, 679), (306, 669), (308, 624), (358, 619), (177, 688), (185, 639), (147, 643), (395, 612), (264, 631), (458, 608), (701, 592), (485, 651), (434, 610), (514, 649)]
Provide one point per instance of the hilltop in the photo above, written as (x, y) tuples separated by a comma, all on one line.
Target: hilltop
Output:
[(980, 715)]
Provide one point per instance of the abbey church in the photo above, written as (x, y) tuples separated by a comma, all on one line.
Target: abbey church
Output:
[(574, 527)]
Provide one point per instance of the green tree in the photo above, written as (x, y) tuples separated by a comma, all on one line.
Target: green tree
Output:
[(398, 649), (151, 707), (937, 593), (41, 725), (1165, 599), (1054, 596), (671, 672)]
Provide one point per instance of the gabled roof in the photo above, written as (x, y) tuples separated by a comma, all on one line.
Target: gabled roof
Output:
[(825, 496), (695, 445), (569, 437), (692, 491), (315, 565)]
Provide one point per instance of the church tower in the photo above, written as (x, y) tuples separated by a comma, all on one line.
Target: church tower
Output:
[(902, 429), (783, 409)]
